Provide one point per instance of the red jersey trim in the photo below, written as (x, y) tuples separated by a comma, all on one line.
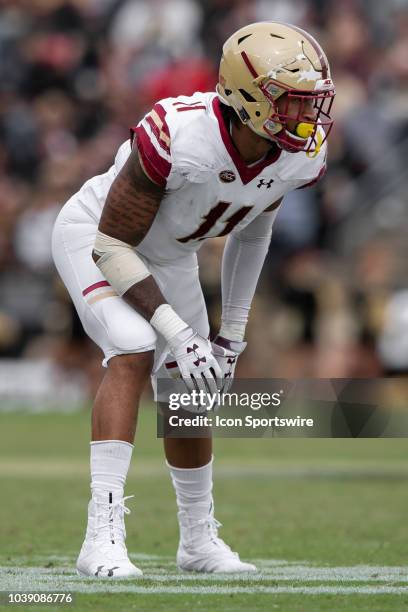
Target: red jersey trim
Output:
[(247, 173), (162, 114), (187, 108), (157, 168), (157, 132)]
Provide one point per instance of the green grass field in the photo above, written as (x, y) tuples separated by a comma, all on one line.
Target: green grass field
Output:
[(325, 520)]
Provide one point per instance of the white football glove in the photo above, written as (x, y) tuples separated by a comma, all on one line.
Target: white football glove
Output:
[(226, 353), (198, 367)]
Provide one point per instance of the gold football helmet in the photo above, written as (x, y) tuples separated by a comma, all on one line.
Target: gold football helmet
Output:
[(262, 62)]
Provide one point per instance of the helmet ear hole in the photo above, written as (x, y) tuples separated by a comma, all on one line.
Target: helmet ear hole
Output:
[(243, 115), (258, 114)]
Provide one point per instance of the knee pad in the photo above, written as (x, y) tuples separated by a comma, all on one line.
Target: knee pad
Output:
[(118, 328)]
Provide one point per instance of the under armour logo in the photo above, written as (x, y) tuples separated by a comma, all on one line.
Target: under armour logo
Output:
[(193, 349), (262, 183), (110, 570), (231, 360)]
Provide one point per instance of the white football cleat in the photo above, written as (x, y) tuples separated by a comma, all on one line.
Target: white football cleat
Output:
[(103, 553), (200, 548)]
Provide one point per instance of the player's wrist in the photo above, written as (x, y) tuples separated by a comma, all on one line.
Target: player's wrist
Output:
[(181, 338), (168, 323), (232, 331)]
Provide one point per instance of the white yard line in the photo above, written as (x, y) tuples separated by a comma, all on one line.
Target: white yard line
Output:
[(285, 574), (215, 589), (164, 581), (321, 575)]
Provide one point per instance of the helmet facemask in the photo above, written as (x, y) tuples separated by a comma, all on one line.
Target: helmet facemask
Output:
[(306, 136)]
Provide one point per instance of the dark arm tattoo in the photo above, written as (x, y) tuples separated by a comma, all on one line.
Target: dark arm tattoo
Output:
[(130, 208), (132, 203)]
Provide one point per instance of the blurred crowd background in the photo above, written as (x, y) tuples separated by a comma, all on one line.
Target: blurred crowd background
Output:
[(75, 74)]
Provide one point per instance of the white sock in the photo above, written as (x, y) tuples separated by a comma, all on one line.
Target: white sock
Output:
[(110, 461), (193, 487)]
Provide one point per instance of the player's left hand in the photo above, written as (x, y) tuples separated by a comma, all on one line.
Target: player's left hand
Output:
[(226, 353)]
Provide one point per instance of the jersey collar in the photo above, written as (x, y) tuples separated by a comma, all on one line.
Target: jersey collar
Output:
[(246, 173)]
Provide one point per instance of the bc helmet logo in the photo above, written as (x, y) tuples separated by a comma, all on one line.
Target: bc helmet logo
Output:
[(227, 176)]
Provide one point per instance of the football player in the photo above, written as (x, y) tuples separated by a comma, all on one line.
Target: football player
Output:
[(213, 164)]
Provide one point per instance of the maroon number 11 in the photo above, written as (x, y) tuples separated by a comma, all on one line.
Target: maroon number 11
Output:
[(211, 218)]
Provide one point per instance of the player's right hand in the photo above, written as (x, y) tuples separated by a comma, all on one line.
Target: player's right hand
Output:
[(198, 367)]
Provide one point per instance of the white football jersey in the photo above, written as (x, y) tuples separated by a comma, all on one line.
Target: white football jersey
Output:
[(186, 146)]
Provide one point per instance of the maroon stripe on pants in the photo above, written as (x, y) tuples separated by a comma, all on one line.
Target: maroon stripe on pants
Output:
[(95, 286)]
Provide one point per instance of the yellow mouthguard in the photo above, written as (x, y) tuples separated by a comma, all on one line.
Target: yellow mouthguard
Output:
[(304, 130)]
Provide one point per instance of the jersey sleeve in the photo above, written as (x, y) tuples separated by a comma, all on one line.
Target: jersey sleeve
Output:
[(316, 179), (175, 141), (152, 136)]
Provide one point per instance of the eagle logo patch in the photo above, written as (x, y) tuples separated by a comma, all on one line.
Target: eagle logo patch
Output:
[(227, 176)]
